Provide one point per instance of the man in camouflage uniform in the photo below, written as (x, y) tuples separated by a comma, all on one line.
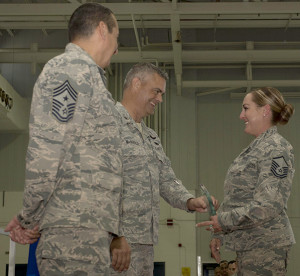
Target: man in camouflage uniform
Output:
[(74, 167), (147, 172), (232, 268), (224, 267)]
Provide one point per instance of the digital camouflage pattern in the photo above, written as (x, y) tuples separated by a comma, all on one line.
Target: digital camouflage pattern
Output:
[(256, 191), (74, 251), (141, 262), (147, 175), (263, 262), (73, 163)]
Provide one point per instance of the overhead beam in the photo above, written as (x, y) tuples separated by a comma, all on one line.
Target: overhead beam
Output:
[(189, 17), (216, 91), (157, 24), (151, 18), (157, 8), (240, 83), (249, 75), (177, 49), (284, 94), (191, 56), (137, 38)]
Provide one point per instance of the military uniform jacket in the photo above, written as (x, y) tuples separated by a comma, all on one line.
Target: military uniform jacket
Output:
[(73, 163), (256, 192), (147, 174)]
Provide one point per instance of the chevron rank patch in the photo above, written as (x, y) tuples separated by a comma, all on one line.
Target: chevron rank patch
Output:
[(279, 167), (64, 101)]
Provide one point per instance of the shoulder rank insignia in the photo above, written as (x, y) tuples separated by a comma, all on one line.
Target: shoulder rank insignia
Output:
[(279, 167), (64, 101)]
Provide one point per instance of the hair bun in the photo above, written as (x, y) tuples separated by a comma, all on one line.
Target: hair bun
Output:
[(285, 114)]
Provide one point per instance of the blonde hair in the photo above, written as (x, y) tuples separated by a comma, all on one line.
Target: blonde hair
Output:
[(281, 111)]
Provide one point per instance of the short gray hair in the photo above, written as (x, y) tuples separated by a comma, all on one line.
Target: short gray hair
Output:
[(140, 70)]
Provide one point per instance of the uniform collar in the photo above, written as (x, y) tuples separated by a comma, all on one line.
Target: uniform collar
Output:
[(269, 132), (127, 118), (71, 47)]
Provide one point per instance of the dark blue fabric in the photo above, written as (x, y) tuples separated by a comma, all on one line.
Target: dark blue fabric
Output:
[(32, 269)]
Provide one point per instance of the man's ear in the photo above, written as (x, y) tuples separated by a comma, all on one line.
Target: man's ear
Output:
[(102, 28), (136, 83)]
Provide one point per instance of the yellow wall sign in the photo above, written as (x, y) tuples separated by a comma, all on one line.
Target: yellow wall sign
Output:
[(186, 271)]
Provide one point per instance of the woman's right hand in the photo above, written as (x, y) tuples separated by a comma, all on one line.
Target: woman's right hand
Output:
[(215, 245)]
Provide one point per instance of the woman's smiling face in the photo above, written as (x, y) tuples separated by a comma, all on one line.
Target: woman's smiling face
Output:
[(254, 117)]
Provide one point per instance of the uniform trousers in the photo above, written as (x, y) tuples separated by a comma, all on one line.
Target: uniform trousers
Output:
[(263, 262), (74, 251), (141, 261)]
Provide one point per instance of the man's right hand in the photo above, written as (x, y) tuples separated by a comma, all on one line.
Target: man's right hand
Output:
[(120, 251), (21, 235)]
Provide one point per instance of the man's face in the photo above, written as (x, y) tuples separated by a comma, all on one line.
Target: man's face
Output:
[(150, 93), (231, 269), (224, 269), (218, 271)]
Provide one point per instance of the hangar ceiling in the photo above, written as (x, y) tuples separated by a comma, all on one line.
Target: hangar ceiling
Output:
[(211, 46)]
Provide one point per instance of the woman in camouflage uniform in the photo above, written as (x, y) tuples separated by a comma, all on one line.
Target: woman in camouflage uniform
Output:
[(252, 220)]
